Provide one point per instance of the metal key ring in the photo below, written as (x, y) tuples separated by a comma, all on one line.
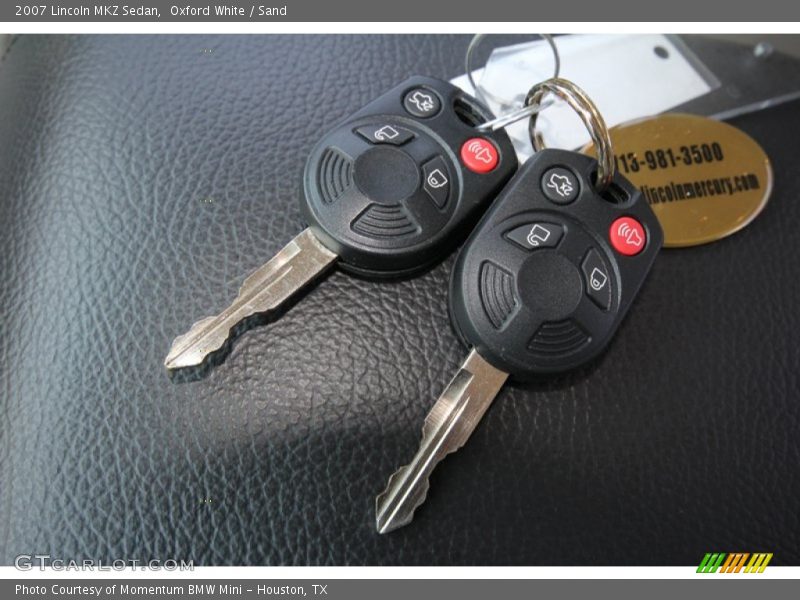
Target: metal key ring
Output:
[(580, 102), (483, 94)]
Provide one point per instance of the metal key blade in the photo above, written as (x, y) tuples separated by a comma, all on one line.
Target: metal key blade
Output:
[(447, 427), (299, 262)]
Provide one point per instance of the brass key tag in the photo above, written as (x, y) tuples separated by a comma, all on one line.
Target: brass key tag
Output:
[(704, 179)]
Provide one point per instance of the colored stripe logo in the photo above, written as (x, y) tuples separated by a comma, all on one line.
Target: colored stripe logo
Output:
[(734, 562)]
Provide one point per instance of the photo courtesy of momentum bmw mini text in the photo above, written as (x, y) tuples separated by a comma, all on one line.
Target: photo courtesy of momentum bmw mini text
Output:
[(355, 300)]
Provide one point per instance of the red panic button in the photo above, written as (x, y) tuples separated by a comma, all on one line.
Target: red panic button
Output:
[(479, 155), (627, 236)]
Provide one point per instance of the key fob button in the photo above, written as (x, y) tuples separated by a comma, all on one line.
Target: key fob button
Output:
[(627, 236), (533, 236), (560, 185), (479, 155), (385, 133), (422, 102), (598, 279), (436, 181)]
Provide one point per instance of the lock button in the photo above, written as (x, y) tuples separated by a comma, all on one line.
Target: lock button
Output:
[(436, 181), (598, 279)]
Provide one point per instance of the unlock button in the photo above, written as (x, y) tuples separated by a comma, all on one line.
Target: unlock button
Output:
[(536, 235), (436, 181)]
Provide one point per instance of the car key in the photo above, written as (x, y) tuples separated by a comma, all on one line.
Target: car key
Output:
[(540, 287), (388, 192)]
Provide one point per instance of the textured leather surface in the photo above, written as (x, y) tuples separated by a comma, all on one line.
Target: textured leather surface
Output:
[(141, 178)]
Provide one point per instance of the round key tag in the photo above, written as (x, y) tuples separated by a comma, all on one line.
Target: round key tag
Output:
[(704, 179)]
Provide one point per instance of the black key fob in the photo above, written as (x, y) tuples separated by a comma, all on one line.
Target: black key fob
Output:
[(544, 281), (397, 185), (387, 193)]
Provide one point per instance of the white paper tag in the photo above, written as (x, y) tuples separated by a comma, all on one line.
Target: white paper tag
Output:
[(627, 76)]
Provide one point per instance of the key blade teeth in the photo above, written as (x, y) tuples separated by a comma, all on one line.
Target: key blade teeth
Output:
[(447, 427), (297, 264), (394, 507), (191, 348), (408, 486)]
